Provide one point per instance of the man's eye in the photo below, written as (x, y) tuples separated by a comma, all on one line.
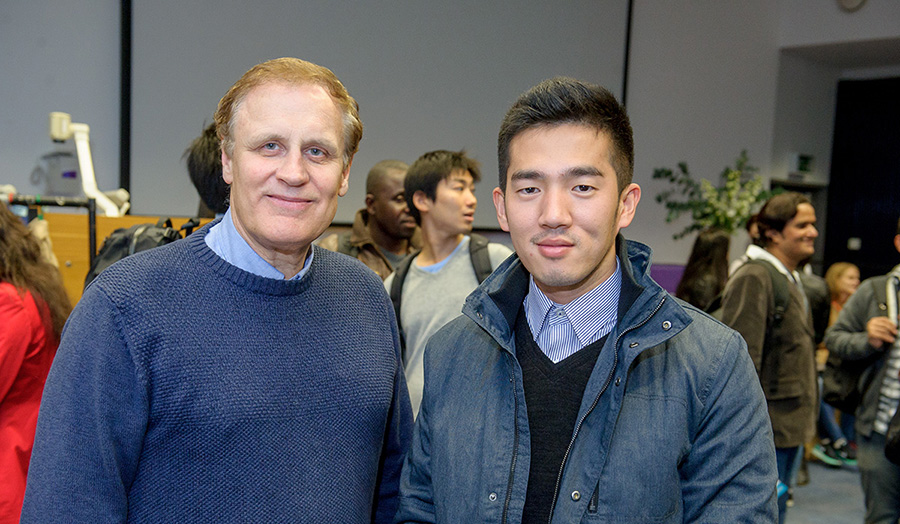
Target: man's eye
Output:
[(583, 188), (315, 151), (528, 190), (270, 146)]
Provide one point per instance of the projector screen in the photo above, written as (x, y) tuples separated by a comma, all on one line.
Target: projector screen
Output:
[(427, 75)]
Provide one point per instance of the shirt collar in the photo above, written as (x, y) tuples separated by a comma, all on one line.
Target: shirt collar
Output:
[(592, 315), (225, 241), (762, 254)]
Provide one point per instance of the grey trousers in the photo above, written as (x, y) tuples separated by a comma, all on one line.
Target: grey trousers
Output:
[(880, 480)]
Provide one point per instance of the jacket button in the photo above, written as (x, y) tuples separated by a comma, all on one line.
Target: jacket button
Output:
[(667, 325), (576, 496), (618, 380), (492, 497), (479, 315), (633, 345)]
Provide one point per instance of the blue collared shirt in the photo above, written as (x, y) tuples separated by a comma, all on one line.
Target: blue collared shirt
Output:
[(561, 330), (225, 241)]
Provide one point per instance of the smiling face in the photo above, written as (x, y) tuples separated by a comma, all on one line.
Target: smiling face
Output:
[(797, 241), (562, 207), (452, 212), (286, 168)]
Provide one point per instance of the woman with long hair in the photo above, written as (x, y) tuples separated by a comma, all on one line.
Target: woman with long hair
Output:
[(706, 270), (842, 279), (33, 308)]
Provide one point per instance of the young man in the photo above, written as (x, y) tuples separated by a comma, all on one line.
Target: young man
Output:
[(240, 374), (575, 389), (440, 194), (384, 232), (781, 343), (866, 331)]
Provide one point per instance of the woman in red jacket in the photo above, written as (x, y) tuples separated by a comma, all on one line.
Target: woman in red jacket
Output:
[(33, 309)]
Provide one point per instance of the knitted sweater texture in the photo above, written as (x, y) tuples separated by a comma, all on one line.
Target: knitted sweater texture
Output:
[(188, 390)]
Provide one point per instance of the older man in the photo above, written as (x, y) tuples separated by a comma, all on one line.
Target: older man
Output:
[(574, 388), (239, 375)]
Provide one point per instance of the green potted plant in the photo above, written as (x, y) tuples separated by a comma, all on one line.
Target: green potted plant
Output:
[(727, 206)]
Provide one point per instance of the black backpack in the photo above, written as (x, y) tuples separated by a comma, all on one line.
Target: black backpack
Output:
[(779, 288), (123, 242), (481, 263)]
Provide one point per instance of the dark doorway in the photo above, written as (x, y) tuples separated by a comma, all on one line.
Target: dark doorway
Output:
[(864, 191)]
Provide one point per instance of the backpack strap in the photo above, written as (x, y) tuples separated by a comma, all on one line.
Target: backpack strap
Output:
[(396, 292), (779, 287), (481, 257)]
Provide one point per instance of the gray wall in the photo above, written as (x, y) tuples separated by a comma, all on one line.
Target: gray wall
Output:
[(707, 80), (58, 59), (427, 75)]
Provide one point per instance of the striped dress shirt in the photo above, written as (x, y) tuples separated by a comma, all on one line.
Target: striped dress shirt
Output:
[(560, 330)]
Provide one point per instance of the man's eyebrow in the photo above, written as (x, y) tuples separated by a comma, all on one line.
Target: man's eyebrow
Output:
[(322, 142), (266, 136), (575, 172)]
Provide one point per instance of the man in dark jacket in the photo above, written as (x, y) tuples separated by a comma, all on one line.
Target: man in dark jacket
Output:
[(866, 330), (780, 342), (383, 232), (574, 388)]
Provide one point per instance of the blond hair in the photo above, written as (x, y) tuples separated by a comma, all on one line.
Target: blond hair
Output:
[(296, 72)]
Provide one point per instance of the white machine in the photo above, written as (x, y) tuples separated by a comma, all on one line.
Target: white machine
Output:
[(112, 203)]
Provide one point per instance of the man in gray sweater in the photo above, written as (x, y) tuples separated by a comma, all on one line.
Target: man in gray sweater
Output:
[(440, 193)]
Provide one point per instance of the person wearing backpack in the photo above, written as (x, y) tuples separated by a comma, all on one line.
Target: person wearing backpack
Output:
[(866, 331), (778, 331), (429, 287), (384, 232)]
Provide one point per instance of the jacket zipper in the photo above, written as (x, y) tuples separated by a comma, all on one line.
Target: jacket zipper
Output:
[(512, 466), (594, 404)]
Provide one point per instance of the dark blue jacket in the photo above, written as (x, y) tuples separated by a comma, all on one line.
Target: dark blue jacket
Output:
[(672, 426)]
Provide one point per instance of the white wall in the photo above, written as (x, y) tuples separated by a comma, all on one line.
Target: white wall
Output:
[(807, 93), (815, 22), (427, 75), (701, 88), (707, 80), (58, 59)]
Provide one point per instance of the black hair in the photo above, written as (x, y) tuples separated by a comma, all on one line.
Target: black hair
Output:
[(564, 100), (429, 169)]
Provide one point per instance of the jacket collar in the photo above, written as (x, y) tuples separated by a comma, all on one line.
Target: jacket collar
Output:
[(360, 236), (496, 302)]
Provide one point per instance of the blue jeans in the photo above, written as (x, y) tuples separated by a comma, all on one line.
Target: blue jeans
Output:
[(848, 421), (827, 424), (880, 480), (788, 460)]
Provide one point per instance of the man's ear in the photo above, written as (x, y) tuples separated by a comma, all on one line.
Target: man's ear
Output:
[(370, 203), (897, 242), (345, 179), (500, 206), (421, 201), (227, 175), (628, 202)]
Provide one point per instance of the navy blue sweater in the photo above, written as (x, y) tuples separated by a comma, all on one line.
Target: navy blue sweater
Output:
[(188, 390)]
